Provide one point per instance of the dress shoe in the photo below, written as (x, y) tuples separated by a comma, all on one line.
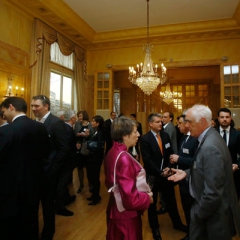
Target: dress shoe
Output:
[(70, 200), (162, 210), (90, 198), (182, 228), (185, 238), (156, 234), (64, 212), (80, 189)]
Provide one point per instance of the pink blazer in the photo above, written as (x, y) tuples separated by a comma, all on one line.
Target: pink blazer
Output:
[(134, 202)]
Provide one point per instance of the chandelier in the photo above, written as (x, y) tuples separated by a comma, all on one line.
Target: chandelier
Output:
[(146, 75), (169, 96)]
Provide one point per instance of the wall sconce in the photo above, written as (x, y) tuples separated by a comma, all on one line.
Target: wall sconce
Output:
[(9, 92), (16, 90)]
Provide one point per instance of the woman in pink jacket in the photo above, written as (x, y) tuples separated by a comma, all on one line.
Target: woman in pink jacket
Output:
[(125, 225)]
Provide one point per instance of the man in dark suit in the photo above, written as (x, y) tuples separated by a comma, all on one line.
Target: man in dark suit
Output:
[(179, 134), (232, 139), (107, 131), (156, 149), (170, 129), (21, 171), (55, 166), (215, 212), (188, 146)]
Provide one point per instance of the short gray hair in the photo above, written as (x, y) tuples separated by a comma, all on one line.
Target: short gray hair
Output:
[(68, 114), (152, 116), (201, 111)]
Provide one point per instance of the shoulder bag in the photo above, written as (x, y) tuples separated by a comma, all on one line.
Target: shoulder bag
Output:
[(84, 151), (141, 183)]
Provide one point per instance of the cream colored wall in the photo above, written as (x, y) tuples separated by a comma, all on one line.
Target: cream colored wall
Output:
[(179, 52)]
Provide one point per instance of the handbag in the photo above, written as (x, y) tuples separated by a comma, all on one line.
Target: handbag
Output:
[(141, 183), (84, 150), (91, 145)]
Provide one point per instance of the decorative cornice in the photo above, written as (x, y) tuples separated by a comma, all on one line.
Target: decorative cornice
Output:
[(58, 15)]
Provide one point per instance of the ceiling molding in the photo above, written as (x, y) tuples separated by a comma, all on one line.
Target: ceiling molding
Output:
[(61, 17)]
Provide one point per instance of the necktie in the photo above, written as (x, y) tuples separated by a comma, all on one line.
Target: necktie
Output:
[(224, 136), (184, 139), (159, 143)]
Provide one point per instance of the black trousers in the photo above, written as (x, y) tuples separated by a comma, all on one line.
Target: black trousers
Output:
[(62, 191), (48, 206), (23, 225), (93, 171), (167, 189), (186, 199)]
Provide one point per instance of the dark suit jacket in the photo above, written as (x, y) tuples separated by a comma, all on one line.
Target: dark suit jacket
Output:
[(23, 147), (186, 152), (59, 149), (234, 149), (72, 139), (234, 145), (107, 132), (151, 153), (213, 188)]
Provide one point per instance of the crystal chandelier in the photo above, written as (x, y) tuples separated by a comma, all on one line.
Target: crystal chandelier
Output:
[(146, 76), (169, 96)]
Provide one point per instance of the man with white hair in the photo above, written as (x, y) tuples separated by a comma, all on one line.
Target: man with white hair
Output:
[(215, 212)]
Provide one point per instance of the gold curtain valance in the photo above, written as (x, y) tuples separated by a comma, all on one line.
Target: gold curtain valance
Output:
[(43, 37), (43, 31)]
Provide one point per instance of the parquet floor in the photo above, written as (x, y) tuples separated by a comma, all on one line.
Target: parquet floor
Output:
[(89, 222)]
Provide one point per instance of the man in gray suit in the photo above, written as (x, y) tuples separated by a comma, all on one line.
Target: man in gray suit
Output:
[(215, 212), (170, 129)]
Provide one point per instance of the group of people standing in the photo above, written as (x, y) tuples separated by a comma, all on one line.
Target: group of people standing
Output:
[(37, 158), (206, 166)]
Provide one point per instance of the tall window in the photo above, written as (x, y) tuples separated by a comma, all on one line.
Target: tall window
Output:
[(231, 86), (61, 80)]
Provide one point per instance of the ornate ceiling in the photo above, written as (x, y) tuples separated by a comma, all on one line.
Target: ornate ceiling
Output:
[(57, 14)]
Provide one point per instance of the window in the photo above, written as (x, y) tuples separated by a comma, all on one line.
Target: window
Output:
[(61, 80), (231, 86)]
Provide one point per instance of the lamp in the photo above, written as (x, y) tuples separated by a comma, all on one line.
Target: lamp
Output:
[(146, 76), (9, 91), (16, 90), (168, 96)]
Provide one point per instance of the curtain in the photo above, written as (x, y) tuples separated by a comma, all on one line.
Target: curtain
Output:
[(43, 37)]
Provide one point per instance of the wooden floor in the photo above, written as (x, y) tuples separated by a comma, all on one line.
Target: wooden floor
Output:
[(89, 222)]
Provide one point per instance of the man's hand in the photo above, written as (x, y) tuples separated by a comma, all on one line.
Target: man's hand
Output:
[(166, 172), (235, 167), (150, 194), (178, 175), (173, 158)]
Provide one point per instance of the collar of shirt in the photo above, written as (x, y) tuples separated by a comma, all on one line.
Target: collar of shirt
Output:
[(188, 135), (227, 129), (44, 118), (20, 115), (4, 124), (164, 126), (68, 124), (154, 133), (200, 138)]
